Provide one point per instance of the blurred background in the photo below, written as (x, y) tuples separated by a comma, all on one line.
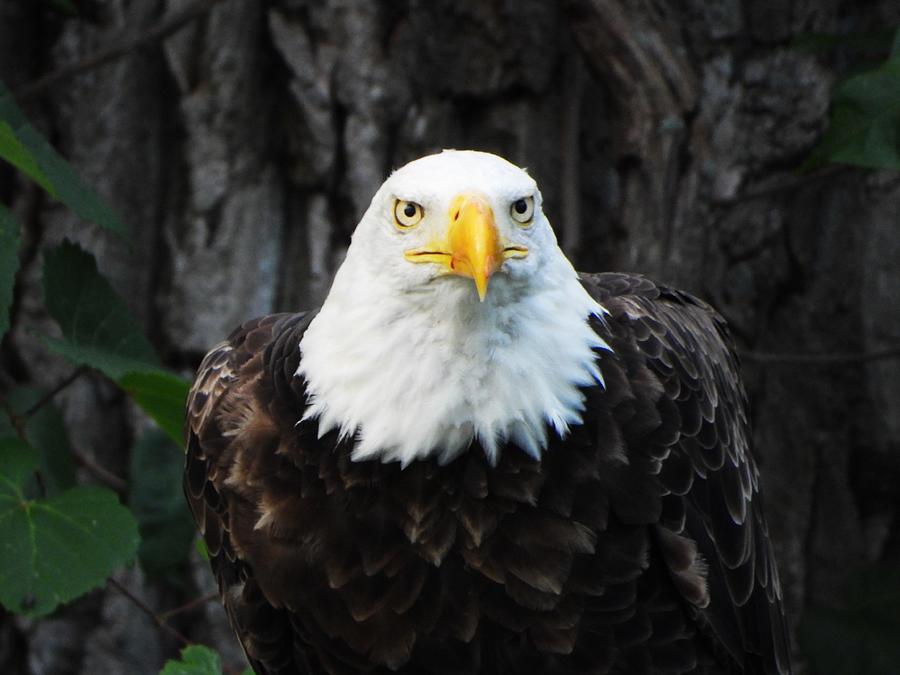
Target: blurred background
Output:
[(241, 140)]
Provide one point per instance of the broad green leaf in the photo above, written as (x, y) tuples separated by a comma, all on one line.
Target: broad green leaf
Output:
[(55, 549), (157, 501), (29, 151), (9, 263), (861, 636), (195, 660), (100, 332), (162, 396), (46, 432), (864, 127), (17, 463), (114, 366), (98, 329), (11, 442), (12, 150)]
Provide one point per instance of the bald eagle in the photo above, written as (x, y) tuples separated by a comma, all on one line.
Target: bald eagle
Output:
[(473, 459)]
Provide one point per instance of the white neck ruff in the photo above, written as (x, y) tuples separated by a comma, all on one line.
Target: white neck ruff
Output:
[(416, 375)]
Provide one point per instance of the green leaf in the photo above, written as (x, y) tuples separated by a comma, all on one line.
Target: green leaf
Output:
[(157, 501), (23, 147), (861, 637), (195, 660), (162, 396), (864, 127), (114, 366), (58, 548), (17, 463), (46, 432), (9, 263), (98, 329), (100, 332), (12, 150)]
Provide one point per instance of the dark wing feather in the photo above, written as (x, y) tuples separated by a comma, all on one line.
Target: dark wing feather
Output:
[(230, 428), (711, 531)]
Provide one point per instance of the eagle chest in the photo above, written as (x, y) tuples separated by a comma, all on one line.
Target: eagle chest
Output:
[(388, 557)]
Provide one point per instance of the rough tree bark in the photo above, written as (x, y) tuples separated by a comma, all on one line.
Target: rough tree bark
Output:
[(243, 148)]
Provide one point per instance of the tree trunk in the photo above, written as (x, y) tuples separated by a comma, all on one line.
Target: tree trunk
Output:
[(243, 148)]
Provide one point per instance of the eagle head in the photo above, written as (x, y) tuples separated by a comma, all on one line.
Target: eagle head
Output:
[(463, 214), (454, 318)]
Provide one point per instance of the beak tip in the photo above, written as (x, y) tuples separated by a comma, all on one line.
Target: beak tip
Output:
[(482, 291)]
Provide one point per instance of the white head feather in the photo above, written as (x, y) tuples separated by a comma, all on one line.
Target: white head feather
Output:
[(406, 359)]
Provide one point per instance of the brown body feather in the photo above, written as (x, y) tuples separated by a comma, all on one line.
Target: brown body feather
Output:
[(636, 545)]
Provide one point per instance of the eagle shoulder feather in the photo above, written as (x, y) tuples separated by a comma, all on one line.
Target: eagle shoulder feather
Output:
[(710, 526)]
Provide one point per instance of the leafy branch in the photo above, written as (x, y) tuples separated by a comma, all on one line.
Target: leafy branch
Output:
[(59, 547), (62, 539)]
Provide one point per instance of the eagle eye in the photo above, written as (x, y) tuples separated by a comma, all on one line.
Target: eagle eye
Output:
[(522, 210), (407, 214)]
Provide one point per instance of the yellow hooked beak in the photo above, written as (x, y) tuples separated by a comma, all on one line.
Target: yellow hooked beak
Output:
[(472, 248)]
